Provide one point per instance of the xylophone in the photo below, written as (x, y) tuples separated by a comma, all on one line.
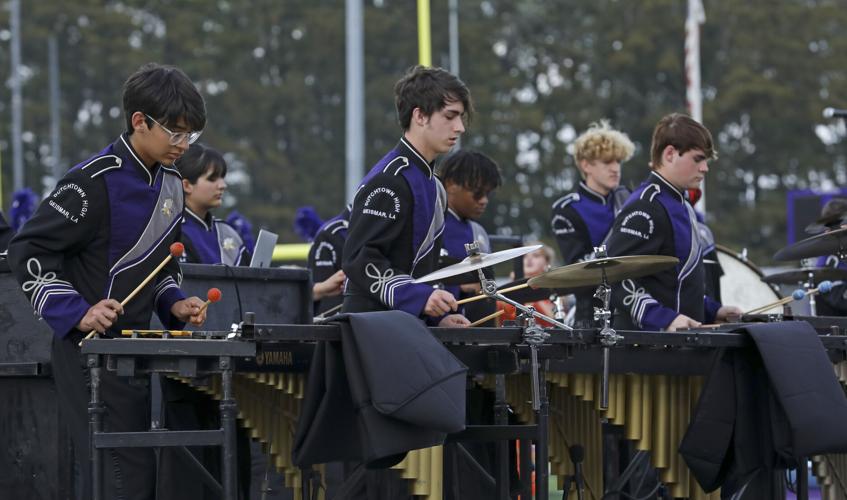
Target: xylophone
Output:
[(831, 469), (654, 382)]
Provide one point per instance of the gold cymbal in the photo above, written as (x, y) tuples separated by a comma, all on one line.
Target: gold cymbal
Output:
[(474, 262), (590, 272)]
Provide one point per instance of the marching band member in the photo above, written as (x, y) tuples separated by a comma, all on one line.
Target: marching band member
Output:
[(325, 258), (581, 220), (469, 177), (656, 220), (207, 239), (834, 303), (397, 219), (106, 226)]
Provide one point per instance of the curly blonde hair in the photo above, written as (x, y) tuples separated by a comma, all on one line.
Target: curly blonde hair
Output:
[(602, 142)]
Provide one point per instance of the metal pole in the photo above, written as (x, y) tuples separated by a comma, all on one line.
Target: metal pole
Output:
[(95, 425), (355, 103), (453, 25), (17, 101), (693, 94), (229, 412), (55, 130)]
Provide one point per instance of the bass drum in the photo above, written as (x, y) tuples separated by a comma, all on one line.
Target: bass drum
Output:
[(742, 285)]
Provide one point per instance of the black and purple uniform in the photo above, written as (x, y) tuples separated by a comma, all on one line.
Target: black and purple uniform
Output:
[(458, 232), (580, 222), (107, 225), (209, 240), (833, 303), (326, 252), (657, 220), (396, 225)]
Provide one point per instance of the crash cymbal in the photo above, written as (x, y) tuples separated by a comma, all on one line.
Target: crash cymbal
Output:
[(459, 279), (830, 243), (816, 274), (590, 272), (474, 262)]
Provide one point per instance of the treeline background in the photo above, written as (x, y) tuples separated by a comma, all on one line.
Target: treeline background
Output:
[(273, 75)]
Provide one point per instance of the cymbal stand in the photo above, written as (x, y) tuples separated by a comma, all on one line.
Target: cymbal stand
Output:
[(809, 285), (533, 334), (489, 288), (608, 336)]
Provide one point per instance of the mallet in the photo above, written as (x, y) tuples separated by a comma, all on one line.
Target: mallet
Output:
[(176, 249), (213, 295), (823, 287)]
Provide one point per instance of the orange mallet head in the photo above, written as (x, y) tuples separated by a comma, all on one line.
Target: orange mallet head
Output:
[(213, 295), (177, 249)]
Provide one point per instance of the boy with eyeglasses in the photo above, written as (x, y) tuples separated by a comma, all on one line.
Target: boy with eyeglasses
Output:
[(105, 227)]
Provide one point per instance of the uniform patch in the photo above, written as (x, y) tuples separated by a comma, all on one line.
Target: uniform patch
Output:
[(64, 201), (562, 225), (384, 209), (638, 223), (632, 293), (229, 244), (380, 279), (167, 207), (325, 255), (33, 267)]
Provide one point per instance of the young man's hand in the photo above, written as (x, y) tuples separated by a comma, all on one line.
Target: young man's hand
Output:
[(440, 302), (100, 316), (729, 314), (329, 287), (454, 321), (188, 310), (682, 321)]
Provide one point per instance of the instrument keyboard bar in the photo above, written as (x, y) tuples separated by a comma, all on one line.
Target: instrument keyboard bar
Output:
[(511, 336)]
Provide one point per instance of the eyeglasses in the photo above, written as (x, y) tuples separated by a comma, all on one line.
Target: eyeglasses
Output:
[(177, 137)]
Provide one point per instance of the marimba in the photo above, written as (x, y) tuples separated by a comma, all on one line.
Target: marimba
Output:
[(655, 381)]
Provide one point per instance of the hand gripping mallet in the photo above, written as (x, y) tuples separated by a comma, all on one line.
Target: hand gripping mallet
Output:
[(213, 295), (823, 287), (176, 250)]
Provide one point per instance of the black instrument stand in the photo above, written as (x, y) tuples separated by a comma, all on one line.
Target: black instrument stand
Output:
[(180, 357), (534, 337)]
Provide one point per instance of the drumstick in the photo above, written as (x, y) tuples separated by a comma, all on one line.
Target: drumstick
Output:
[(489, 317), (213, 295), (176, 249), (329, 311), (482, 295), (823, 287)]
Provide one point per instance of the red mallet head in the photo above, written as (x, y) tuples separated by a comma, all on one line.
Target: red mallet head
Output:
[(177, 249), (214, 295)]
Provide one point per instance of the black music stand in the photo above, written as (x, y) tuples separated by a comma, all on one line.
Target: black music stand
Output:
[(181, 357)]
